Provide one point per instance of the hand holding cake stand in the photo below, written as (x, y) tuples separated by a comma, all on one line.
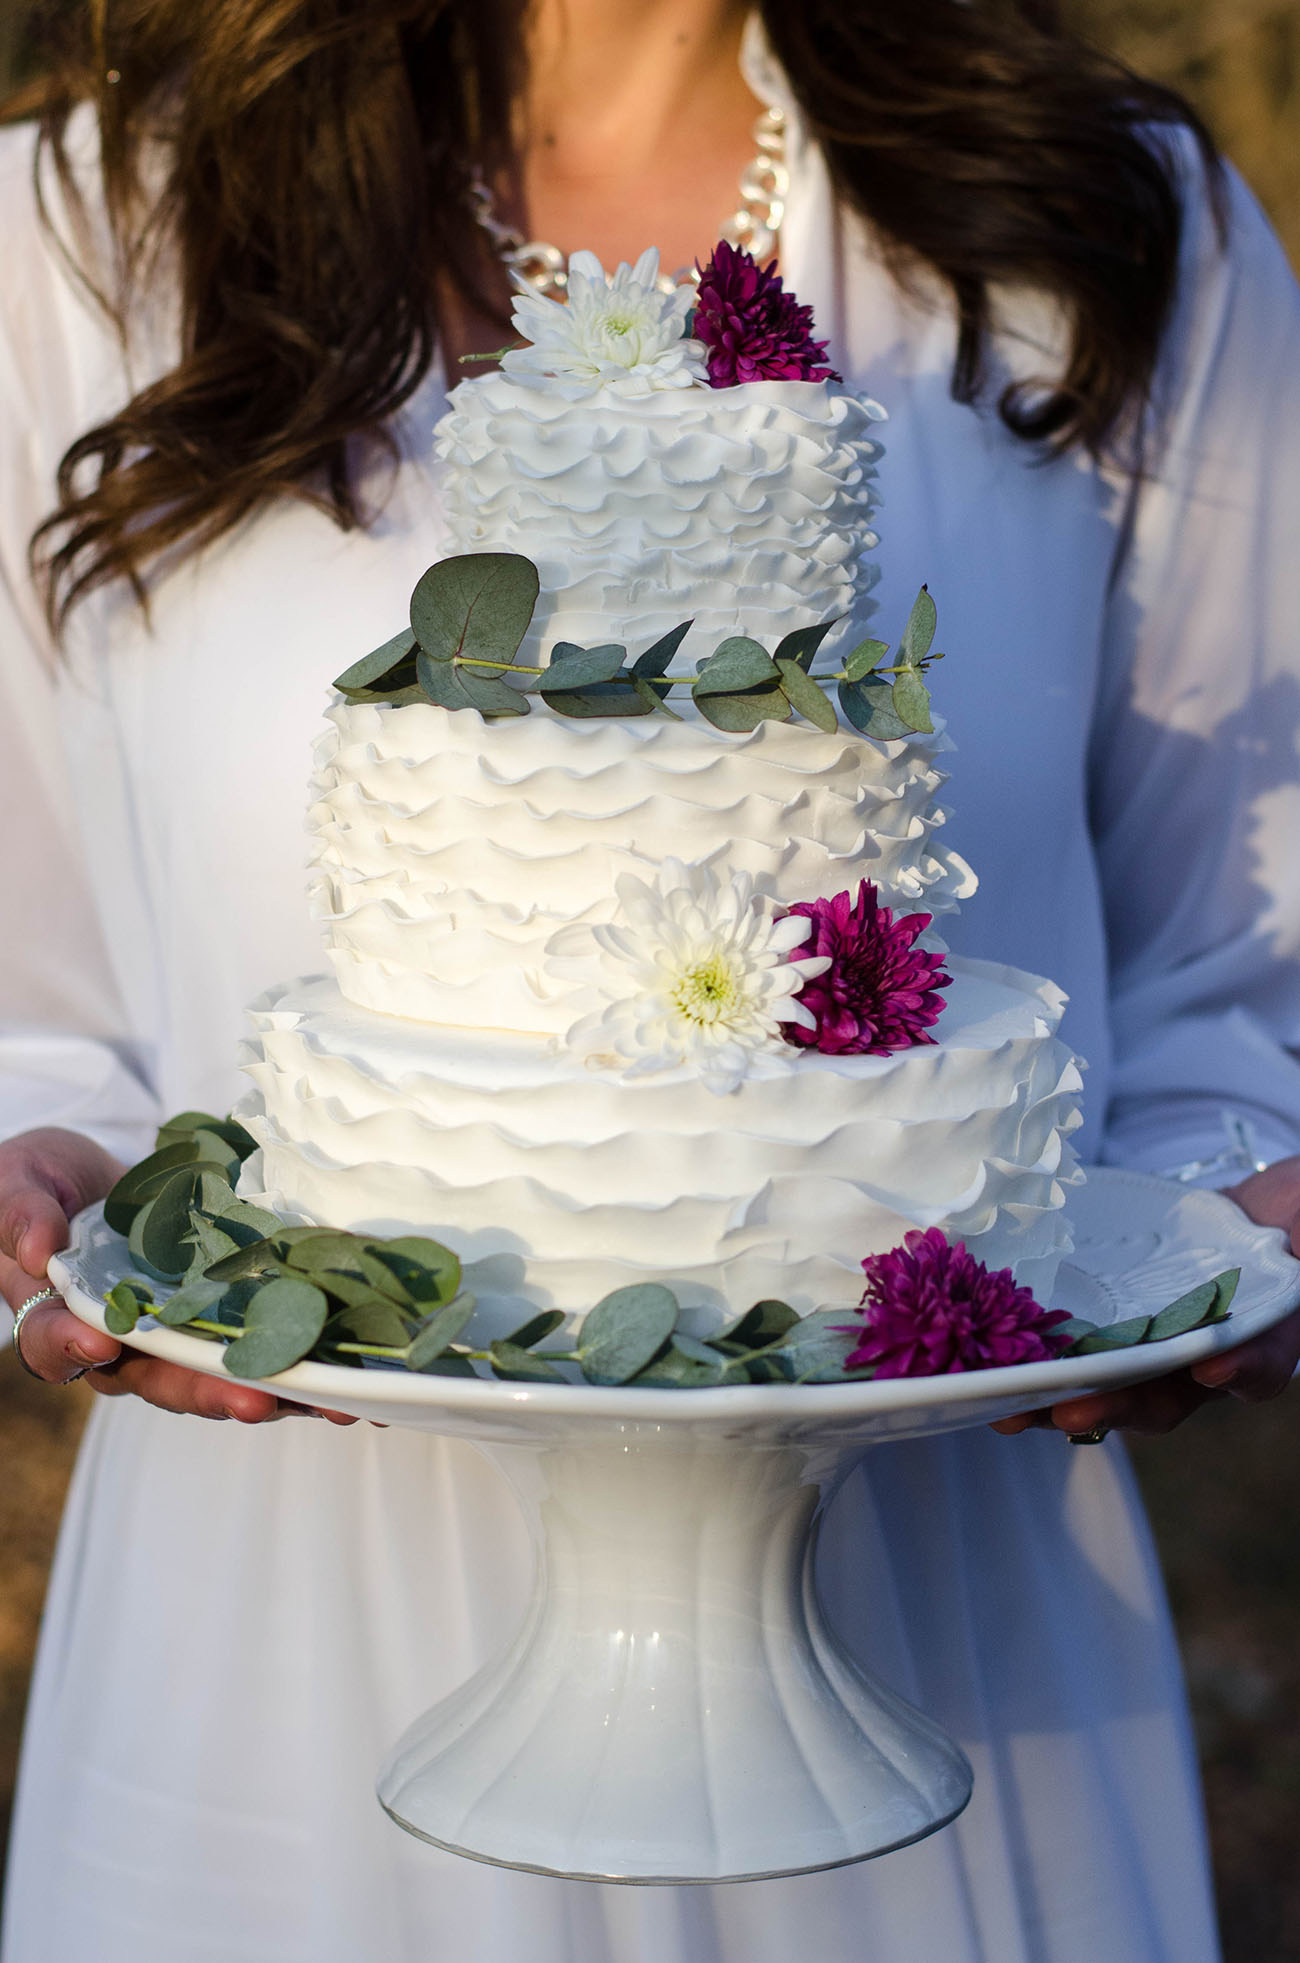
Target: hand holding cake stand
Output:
[(675, 1707)]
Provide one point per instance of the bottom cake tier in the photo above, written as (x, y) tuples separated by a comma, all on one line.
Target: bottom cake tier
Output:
[(556, 1182)]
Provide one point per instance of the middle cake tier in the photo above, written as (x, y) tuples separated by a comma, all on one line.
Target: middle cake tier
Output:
[(558, 1183), (449, 851)]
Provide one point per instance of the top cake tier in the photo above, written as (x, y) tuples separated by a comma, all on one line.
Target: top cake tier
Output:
[(747, 509)]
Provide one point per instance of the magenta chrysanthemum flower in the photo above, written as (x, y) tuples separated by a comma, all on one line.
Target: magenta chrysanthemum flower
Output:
[(932, 1308), (879, 992), (753, 329)]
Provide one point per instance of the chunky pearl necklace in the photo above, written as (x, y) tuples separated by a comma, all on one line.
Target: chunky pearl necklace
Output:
[(754, 224)]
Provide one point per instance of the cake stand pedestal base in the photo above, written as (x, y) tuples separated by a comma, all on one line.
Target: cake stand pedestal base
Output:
[(675, 1708)]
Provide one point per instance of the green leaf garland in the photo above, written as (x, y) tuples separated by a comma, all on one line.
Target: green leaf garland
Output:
[(296, 1291)]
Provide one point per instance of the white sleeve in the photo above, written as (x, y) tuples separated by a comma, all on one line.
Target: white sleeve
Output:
[(1196, 758), (66, 1056)]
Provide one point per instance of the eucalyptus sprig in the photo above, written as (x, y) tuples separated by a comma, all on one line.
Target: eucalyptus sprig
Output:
[(469, 615), (275, 1294)]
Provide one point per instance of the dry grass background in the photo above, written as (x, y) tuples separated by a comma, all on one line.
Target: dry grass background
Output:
[(1224, 1492)]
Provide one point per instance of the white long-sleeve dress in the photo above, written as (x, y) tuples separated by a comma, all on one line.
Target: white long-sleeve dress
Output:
[(242, 1620)]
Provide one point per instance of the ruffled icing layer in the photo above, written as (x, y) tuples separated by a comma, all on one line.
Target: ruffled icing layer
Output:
[(448, 851), (745, 509), (560, 1183)]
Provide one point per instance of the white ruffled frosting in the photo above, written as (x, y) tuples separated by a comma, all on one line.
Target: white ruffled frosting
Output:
[(450, 850), (561, 1182), (746, 509)]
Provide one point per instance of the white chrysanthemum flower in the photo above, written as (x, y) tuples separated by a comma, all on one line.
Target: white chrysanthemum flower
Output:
[(614, 329), (696, 971)]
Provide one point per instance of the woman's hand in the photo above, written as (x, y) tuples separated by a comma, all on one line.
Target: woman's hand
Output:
[(1253, 1371), (45, 1178)]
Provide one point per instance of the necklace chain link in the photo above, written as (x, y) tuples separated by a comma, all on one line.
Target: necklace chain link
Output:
[(755, 223)]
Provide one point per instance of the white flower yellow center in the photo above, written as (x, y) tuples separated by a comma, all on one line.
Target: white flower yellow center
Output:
[(709, 992)]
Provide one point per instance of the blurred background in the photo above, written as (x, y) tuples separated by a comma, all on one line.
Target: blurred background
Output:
[(1224, 1491)]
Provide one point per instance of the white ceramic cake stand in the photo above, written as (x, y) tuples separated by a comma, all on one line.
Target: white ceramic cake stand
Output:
[(675, 1707)]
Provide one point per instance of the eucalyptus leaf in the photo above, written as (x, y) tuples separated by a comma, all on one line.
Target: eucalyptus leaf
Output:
[(124, 1304), (745, 712), (439, 1332), (801, 645), (1227, 1282), (1188, 1312), (477, 604), (381, 1276), (911, 701), (766, 1322), (355, 1292), (229, 1130), (603, 699), (1113, 1336), (624, 1331), (210, 1245), (195, 1298), (140, 1184), (428, 1271), (158, 1237), (712, 1366), (213, 1192), (183, 1125), (258, 1258), (869, 707), (282, 1321), (572, 666), (448, 1365), (372, 1321), (676, 1370), (918, 635), (816, 1349), (866, 655), (519, 1366), (373, 669), (1070, 1331), (806, 696), (655, 661), (245, 1223), (536, 1329), (490, 696), (440, 683), (323, 1248), (738, 663), (654, 695)]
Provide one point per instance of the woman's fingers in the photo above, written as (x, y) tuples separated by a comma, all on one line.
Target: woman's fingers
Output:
[(1155, 1406), (1256, 1370), (58, 1346), (45, 1177)]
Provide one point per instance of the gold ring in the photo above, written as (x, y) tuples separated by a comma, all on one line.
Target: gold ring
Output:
[(1093, 1437)]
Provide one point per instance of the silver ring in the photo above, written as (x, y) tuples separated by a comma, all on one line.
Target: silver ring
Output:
[(1093, 1437), (46, 1294)]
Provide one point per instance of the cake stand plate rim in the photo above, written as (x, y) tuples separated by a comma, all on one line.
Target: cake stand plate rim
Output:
[(1141, 1202)]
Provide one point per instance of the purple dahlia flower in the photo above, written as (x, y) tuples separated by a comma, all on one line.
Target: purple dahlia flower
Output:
[(932, 1308), (753, 329), (879, 993)]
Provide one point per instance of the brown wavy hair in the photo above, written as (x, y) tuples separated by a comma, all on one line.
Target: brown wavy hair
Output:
[(314, 196)]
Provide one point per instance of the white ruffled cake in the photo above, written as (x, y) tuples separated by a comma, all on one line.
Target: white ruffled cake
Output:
[(434, 1083)]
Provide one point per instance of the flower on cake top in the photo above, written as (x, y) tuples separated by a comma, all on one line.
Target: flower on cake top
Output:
[(614, 328), (753, 329), (931, 1308), (695, 971), (877, 991)]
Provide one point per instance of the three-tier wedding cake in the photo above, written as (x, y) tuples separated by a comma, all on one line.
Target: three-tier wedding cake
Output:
[(585, 1021)]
